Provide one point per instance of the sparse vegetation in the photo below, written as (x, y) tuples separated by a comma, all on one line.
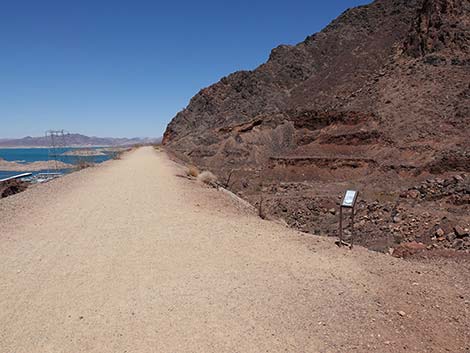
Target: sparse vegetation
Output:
[(227, 183), (192, 171), (207, 177), (116, 155), (261, 212), (12, 187)]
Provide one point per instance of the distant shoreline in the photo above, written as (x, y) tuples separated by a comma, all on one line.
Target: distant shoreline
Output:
[(6, 166), (77, 146)]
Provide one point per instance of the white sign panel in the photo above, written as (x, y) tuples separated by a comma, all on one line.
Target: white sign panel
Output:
[(349, 198)]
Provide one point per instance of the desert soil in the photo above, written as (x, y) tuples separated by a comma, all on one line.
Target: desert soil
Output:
[(129, 257)]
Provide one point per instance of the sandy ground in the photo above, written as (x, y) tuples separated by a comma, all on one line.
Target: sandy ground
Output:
[(129, 257)]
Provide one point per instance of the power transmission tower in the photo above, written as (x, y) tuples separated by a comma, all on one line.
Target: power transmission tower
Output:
[(57, 141)]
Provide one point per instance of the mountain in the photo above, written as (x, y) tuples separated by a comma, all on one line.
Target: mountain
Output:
[(75, 140), (378, 100)]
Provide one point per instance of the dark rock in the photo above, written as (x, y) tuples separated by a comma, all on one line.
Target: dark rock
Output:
[(460, 232), (457, 244), (450, 237)]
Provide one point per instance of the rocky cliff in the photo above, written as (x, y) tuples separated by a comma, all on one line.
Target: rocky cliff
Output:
[(379, 98)]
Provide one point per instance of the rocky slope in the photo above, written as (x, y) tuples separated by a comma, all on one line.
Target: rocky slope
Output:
[(379, 101)]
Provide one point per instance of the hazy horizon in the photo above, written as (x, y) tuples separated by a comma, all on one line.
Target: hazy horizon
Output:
[(125, 69), (2, 138)]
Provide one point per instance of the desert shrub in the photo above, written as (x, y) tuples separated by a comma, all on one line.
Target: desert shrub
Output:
[(117, 155), (12, 187), (192, 172), (261, 212), (228, 183), (207, 177)]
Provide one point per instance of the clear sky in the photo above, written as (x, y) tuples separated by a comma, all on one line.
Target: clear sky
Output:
[(125, 68)]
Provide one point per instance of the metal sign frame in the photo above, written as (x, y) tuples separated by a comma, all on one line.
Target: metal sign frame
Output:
[(349, 202)]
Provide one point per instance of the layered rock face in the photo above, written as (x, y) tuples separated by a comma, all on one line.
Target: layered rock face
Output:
[(379, 98), (366, 63)]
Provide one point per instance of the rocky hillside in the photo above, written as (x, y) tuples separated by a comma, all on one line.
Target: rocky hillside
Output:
[(379, 100)]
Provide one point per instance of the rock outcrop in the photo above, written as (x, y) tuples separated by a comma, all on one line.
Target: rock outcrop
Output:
[(367, 62), (380, 97)]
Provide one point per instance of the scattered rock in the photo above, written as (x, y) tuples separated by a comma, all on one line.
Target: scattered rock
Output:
[(457, 244), (460, 232), (408, 249), (458, 178), (450, 237)]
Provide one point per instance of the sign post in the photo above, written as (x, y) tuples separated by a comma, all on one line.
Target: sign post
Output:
[(349, 202)]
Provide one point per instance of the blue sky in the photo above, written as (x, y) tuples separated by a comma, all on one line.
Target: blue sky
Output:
[(125, 68)]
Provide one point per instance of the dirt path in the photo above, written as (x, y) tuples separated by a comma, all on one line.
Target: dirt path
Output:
[(127, 257)]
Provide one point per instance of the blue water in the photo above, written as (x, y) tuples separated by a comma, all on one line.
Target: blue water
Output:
[(28, 155)]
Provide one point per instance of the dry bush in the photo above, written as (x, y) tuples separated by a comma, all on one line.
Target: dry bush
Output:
[(207, 177), (228, 183), (116, 155), (12, 187), (261, 212), (192, 172)]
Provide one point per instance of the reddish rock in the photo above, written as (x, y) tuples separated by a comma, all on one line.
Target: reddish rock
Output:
[(408, 249)]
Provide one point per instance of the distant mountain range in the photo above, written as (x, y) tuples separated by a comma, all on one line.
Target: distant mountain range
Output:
[(76, 140)]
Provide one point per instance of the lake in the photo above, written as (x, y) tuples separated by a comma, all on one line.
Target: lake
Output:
[(28, 155)]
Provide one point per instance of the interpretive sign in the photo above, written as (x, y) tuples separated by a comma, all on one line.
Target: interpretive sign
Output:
[(349, 199), (349, 202)]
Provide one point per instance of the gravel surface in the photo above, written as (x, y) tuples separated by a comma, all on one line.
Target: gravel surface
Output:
[(129, 257)]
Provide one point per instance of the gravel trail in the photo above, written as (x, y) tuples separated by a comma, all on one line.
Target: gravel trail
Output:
[(129, 257)]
